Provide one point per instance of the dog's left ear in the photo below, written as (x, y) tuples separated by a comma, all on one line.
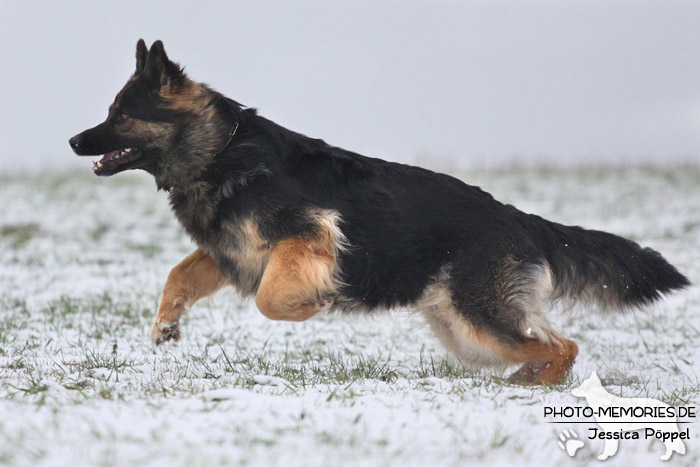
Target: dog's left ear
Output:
[(161, 73), (141, 56)]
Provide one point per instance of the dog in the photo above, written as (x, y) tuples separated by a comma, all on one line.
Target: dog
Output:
[(597, 397), (305, 227)]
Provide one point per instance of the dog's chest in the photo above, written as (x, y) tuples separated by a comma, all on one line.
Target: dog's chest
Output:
[(234, 242), (196, 208), (242, 254)]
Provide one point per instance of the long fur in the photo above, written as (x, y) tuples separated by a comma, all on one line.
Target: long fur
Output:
[(240, 185), (613, 272)]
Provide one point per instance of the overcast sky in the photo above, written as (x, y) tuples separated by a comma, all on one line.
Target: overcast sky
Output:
[(472, 82)]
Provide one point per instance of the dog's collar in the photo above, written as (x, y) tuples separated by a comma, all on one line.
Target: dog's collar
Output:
[(228, 141)]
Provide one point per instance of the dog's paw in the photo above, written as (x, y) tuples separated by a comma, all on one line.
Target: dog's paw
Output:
[(165, 332), (325, 301), (527, 375)]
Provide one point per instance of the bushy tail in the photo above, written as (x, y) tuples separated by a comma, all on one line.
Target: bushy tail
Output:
[(602, 267)]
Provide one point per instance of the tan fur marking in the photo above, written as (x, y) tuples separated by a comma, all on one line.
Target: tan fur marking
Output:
[(545, 363), (195, 277), (197, 98), (251, 254), (301, 274), (459, 336), (298, 275), (189, 96), (547, 359)]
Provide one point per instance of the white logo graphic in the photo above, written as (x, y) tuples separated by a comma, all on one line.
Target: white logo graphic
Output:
[(569, 442), (613, 426)]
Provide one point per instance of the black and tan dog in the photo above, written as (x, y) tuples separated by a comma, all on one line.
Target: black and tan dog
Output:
[(307, 227)]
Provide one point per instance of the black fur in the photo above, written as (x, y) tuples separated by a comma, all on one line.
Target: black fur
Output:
[(611, 270), (405, 226)]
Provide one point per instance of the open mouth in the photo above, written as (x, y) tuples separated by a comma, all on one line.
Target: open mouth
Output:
[(116, 161)]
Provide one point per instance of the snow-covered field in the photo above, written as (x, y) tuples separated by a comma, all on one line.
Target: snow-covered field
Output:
[(82, 261)]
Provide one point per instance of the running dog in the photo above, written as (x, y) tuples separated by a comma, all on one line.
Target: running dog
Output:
[(306, 227)]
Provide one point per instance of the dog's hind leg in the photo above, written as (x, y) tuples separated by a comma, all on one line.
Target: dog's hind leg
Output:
[(195, 277), (455, 332), (545, 362), (298, 281), (522, 293), (498, 319)]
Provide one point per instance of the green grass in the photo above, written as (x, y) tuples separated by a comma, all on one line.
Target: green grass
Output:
[(81, 279), (19, 235)]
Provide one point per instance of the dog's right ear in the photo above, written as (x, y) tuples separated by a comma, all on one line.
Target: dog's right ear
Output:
[(162, 74), (141, 55)]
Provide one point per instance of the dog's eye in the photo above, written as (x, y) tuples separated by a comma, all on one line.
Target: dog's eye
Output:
[(123, 116)]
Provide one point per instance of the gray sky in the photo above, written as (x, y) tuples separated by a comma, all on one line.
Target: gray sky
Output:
[(469, 82)]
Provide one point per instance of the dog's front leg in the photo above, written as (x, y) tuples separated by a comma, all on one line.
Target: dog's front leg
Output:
[(298, 282), (195, 277)]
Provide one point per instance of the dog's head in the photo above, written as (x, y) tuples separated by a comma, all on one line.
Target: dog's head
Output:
[(161, 122)]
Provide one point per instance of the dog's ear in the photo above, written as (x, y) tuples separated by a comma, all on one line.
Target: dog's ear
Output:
[(141, 55), (594, 377), (162, 74)]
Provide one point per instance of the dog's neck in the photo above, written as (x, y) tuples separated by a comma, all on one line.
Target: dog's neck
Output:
[(203, 139), (232, 133)]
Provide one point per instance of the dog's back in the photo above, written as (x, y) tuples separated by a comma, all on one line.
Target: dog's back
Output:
[(306, 227)]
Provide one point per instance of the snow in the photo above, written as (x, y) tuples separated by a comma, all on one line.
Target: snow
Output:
[(82, 263)]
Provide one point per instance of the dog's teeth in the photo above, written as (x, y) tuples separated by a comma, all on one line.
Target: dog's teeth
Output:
[(127, 150), (99, 164), (94, 164)]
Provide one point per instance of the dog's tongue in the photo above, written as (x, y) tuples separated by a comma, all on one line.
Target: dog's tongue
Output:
[(107, 157)]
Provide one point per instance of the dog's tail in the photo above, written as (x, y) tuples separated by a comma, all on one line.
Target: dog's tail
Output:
[(597, 266)]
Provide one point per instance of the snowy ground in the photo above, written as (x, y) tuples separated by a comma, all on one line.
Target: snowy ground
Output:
[(82, 261)]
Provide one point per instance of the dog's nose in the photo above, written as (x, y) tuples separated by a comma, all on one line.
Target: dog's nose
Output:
[(74, 142)]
